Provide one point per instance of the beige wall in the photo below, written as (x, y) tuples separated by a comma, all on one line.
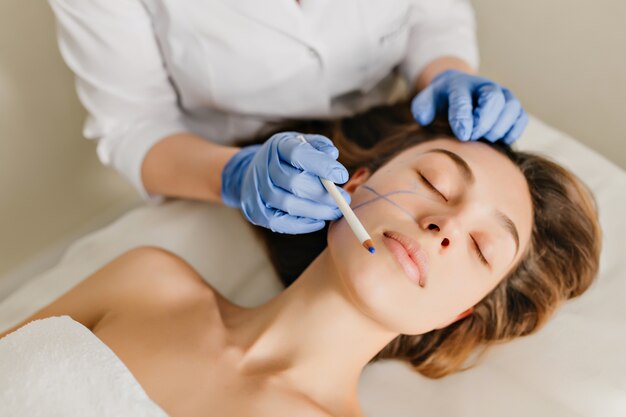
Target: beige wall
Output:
[(565, 59), (51, 183)]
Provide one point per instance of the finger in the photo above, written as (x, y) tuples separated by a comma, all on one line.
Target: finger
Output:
[(280, 199), (323, 144), (282, 222), (517, 129), (489, 105), (508, 117), (424, 106), (259, 214), (306, 157), (302, 184), (460, 110)]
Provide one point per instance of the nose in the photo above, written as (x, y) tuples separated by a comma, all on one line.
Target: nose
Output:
[(444, 241), (444, 229)]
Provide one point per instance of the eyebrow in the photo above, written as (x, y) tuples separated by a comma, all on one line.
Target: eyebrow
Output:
[(467, 173)]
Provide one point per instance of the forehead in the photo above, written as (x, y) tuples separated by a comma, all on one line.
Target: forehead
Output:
[(499, 183), (479, 156)]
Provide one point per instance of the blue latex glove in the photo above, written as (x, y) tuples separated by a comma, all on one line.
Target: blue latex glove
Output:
[(277, 184), (497, 115)]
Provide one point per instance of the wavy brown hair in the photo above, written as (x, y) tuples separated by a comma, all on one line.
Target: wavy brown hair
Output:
[(560, 263)]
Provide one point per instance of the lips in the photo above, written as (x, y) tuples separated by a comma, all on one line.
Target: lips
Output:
[(409, 255)]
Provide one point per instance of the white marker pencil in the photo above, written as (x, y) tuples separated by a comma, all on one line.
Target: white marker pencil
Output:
[(353, 221)]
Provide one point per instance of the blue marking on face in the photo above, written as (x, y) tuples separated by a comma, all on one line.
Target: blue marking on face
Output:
[(386, 198)]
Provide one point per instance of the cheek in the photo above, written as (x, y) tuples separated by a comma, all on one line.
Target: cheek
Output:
[(396, 190), (362, 272), (391, 179), (379, 289), (456, 287), (372, 281)]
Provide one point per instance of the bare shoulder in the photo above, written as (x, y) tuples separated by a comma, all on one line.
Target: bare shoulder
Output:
[(158, 272), (141, 277)]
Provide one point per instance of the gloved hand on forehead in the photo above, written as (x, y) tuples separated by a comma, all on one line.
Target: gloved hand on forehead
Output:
[(277, 184), (476, 107)]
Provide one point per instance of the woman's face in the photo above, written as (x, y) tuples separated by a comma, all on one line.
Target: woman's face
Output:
[(477, 202)]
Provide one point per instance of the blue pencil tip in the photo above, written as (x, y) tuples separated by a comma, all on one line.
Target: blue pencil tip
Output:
[(372, 250)]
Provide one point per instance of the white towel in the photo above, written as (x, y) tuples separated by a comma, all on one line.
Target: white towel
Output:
[(57, 367)]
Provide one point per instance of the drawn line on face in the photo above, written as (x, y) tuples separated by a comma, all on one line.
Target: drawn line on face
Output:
[(385, 197)]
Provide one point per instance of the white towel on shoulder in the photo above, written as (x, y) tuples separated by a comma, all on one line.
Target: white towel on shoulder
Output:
[(57, 367)]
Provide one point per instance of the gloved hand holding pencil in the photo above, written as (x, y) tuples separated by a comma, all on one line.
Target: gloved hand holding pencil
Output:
[(277, 184)]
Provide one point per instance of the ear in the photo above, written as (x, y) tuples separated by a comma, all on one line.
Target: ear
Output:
[(459, 317), (358, 177)]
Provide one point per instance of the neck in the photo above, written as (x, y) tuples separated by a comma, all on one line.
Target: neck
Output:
[(312, 335)]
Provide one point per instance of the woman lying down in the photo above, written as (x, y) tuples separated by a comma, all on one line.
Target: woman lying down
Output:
[(502, 239)]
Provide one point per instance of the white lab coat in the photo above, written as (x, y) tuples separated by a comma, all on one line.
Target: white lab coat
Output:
[(227, 69)]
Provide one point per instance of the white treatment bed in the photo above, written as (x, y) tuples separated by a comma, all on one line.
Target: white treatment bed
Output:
[(574, 366)]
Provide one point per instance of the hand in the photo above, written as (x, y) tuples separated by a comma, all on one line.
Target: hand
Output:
[(277, 184), (498, 114)]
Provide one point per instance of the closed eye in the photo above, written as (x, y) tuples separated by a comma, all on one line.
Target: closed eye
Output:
[(479, 252), (428, 185)]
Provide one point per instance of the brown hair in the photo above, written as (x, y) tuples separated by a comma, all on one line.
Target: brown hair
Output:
[(560, 263)]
